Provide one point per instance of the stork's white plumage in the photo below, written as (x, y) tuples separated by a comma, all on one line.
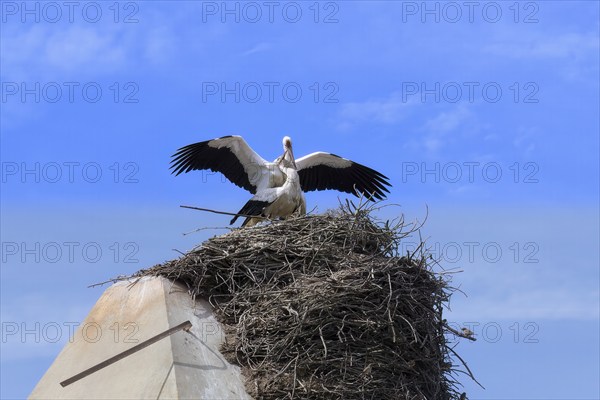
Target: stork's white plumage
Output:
[(279, 201), (278, 186)]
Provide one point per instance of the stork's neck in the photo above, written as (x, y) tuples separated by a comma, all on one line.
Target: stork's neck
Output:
[(292, 176)]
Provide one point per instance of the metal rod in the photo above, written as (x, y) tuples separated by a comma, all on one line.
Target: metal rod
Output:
[(185, 326)]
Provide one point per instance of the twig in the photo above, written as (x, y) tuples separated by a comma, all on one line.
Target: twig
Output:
[(466, 366), (208, 228), (113, 280), (224, 212), (457, 333)]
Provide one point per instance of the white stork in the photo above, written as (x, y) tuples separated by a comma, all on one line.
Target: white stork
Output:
[(278, 186)]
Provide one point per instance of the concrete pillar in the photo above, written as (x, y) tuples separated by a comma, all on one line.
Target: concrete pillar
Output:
[(184, 365)]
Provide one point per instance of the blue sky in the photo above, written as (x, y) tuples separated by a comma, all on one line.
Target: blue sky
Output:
[(485, 120)]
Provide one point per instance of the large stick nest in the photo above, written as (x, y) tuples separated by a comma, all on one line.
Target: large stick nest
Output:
[(324, 307)]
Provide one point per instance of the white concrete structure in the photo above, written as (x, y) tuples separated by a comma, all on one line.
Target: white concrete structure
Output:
[(184, 365)]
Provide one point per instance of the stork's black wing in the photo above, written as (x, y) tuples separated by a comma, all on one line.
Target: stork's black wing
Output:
[(229, 155), (320, 171)]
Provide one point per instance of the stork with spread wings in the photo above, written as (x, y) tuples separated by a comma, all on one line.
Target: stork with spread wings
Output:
[(278, 187)]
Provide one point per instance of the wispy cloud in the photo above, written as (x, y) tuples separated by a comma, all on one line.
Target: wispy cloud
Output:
[(454, 120), (259, 48), (160, 45), (39, 49), (525, 139), (445, 125), (46, 51), (575, 53), (448, 121), (79, 47), (388, 110)]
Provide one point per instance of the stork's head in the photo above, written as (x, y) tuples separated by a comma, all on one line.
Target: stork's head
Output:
[(288, 153), (287, 143)]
